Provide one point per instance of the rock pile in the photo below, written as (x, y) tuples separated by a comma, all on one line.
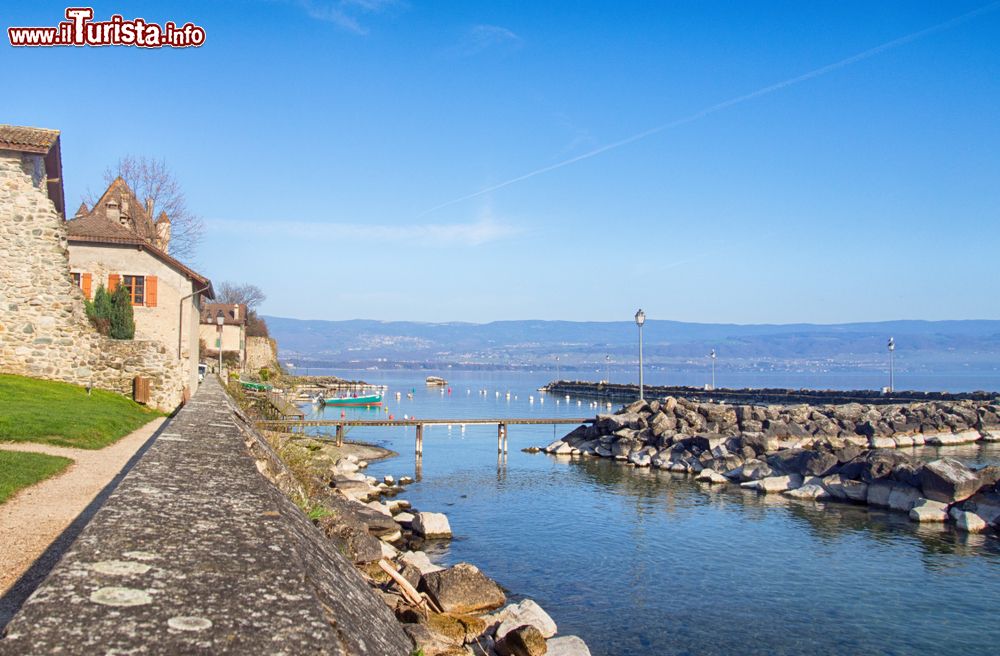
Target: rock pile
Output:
[(369, 525), (840, 452)]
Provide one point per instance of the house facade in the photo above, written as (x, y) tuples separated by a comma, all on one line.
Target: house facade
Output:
[(116, 243), (230, 337)]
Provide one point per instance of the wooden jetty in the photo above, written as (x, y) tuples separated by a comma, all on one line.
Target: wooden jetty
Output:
[(502, 424)]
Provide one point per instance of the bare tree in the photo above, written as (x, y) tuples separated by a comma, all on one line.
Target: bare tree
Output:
[(150, 179), (233, 293)]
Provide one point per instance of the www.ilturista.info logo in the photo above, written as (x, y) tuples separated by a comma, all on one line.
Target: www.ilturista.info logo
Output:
[(79, 29)]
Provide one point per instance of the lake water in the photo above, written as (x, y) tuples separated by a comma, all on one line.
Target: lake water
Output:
[(648, 562)]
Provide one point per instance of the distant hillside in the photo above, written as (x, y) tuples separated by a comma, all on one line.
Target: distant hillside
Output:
[(974, 344)]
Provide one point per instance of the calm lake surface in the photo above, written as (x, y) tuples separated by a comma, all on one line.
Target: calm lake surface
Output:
[(639, 561)]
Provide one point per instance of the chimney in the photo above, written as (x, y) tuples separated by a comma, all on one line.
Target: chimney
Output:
[(236, 312), (162, 227), (149, 208)]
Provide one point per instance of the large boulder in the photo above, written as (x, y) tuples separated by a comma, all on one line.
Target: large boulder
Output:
[(523, 641), (774, 484), (986, 505), (846, 489), (463, 589), (879, 464), (925, 510), (967, 521), (947, 480), (567, 646), (525, 612), (431, 525)]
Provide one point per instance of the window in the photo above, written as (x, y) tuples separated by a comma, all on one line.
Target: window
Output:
[(77, 278), (137, 288)]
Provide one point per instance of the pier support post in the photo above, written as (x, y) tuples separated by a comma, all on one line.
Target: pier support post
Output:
[(340, 435), (420, 440)]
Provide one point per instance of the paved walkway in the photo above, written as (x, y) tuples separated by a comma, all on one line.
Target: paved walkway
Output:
[(36, 516)]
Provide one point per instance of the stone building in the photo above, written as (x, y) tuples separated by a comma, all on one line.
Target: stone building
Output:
[(44, 331), (117, 243), (231, 337)]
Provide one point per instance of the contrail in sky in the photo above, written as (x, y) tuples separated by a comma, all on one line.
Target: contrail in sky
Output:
[(817, 72)]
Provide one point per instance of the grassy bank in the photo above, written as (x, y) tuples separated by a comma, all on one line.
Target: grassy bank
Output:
[(19, 470), (48, 412)]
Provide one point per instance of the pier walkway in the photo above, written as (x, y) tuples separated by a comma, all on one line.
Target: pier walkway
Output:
[(501, 423)]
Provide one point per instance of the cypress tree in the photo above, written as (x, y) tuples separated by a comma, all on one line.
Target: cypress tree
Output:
[(99, 310), (122, 321)]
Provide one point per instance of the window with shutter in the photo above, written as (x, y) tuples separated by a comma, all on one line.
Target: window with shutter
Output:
[(113, 280), (151, 289), (86, 282)]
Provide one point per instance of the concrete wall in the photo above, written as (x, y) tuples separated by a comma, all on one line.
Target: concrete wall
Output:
[(44, 331), (163, 322)]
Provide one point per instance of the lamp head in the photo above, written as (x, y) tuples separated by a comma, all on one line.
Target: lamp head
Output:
[(640, 318), (892, 344), (712, 354), (220, 318)]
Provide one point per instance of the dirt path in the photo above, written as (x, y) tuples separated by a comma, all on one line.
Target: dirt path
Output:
[(34, 517)]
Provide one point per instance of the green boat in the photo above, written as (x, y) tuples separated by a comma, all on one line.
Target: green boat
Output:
[(257, 387), (364, 400)]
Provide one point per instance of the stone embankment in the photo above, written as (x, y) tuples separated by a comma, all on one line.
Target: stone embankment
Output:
[(627, 393), (452, 611), (849, 452)]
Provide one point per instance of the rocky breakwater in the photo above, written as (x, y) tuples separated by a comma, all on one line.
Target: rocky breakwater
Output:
[(445, 610), (849, 452)]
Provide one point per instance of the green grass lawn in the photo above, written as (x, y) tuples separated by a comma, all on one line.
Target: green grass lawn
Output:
[(19, 470), (48, 412)]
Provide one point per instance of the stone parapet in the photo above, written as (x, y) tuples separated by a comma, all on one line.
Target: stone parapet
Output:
[(196, 551)]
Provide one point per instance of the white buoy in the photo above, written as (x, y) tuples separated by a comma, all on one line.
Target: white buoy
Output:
[(463, 428), (531, 399), (579, 403)]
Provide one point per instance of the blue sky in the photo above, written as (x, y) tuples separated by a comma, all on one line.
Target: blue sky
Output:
[(327, 143)]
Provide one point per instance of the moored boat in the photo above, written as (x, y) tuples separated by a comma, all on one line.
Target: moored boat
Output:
[(363, 400)]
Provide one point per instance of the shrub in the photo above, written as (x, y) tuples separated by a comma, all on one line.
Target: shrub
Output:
[(122, 321), (265, 374)]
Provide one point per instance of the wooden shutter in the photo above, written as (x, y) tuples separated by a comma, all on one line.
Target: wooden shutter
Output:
[(150, 291), (85, 282), (113, 281)]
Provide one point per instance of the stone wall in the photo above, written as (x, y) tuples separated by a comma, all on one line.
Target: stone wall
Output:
[(44, 332), (261, 352)]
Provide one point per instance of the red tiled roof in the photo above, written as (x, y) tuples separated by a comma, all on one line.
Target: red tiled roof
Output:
[(209, 312), (128, 206), (93, 229), (29, 140)]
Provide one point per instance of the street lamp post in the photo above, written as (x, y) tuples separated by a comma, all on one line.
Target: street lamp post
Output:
[(607, 370), (892, 348), (557, 367), (712, 355), (640, 318), (220, 319)]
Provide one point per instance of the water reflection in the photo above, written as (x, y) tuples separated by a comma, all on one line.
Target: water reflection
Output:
[(658, 491)]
